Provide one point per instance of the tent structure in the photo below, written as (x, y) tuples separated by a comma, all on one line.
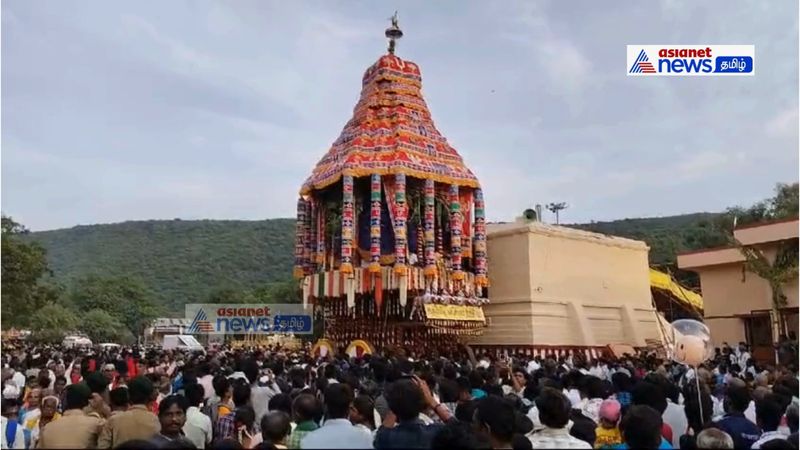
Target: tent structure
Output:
[(674, 300), (390, 238)]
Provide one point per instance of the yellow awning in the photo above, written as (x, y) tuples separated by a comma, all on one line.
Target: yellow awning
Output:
[(663, 281)]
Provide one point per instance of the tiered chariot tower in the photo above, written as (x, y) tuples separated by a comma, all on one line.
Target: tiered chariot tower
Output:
[(391, 233)]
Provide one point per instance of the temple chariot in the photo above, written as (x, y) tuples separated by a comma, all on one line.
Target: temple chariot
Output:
[(391, 234)]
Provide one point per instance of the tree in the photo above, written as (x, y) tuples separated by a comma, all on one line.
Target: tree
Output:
[(231, 295), (126, 300), (783, 205), (101, 326), (776, 272), (52, 322), (278, 292), (23, 267)]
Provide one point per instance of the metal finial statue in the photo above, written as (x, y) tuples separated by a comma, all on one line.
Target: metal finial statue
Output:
[(393, 33)]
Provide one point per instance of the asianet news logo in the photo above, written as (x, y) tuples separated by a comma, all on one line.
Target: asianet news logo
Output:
[(690, 60), (237, 318)]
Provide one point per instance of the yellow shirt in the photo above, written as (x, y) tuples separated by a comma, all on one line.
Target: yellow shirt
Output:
[(607, 437)]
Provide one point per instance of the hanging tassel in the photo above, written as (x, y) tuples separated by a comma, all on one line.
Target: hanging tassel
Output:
[(313, 220), (308, 252), (403, 288), (455, 233), (429, 236), (347, 224), (378, 294), (299, 239), (375, 224), (349, 285), (306, 291), (321, 234), (400, 219), (481, 278)]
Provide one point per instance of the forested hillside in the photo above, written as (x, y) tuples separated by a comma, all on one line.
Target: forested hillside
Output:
[(180, 261), (184, 261)]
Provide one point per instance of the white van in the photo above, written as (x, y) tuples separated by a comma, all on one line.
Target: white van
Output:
[(109, 346), (76, 341), (181, 342)]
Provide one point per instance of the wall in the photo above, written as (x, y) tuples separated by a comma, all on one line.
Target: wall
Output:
[(598, 289), (730, 330), (557, 286), (509, 313), (728, 291)]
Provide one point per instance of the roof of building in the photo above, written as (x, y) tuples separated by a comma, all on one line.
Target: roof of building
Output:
[(759, 234), (500, 229), (169, 322), (391, 132)]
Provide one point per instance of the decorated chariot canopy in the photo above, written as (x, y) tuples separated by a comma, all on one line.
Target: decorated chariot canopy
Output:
[(391, 206)]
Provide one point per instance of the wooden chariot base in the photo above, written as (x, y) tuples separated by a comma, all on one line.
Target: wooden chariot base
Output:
[(389, 325)]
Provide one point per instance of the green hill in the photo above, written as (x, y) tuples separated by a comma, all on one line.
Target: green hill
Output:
[(186, 261), (181, 261), (666, 236)]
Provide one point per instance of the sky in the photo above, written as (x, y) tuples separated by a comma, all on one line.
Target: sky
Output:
[(147, 109)]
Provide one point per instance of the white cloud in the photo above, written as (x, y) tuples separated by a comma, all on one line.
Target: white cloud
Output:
[(532, 94), (783, 124)]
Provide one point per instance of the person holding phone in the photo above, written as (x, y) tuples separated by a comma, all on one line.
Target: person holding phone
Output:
[(402, 427)]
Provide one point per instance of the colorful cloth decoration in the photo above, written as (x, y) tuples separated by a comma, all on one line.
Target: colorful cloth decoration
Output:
[(321, 250), (347, 224), (299, 238), (428, 223), (400, 218), (481, 278), (375, 224), (466, 200), (314, 225), (420, 243), (455, 233), (391, 131), (332, 284), (308, 260)]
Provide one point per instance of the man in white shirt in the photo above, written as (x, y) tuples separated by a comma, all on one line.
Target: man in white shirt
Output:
[(769, 412), (675, 417), (9, 418), (206, 381), (198, 425), (260, 395), (553, 409), (337, 432), (19, 379), (743, 356)]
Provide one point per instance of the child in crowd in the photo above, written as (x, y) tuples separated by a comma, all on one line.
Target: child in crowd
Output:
[(607, 433)]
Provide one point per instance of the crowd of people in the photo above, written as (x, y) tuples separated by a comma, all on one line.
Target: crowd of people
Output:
[(224, 398)]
